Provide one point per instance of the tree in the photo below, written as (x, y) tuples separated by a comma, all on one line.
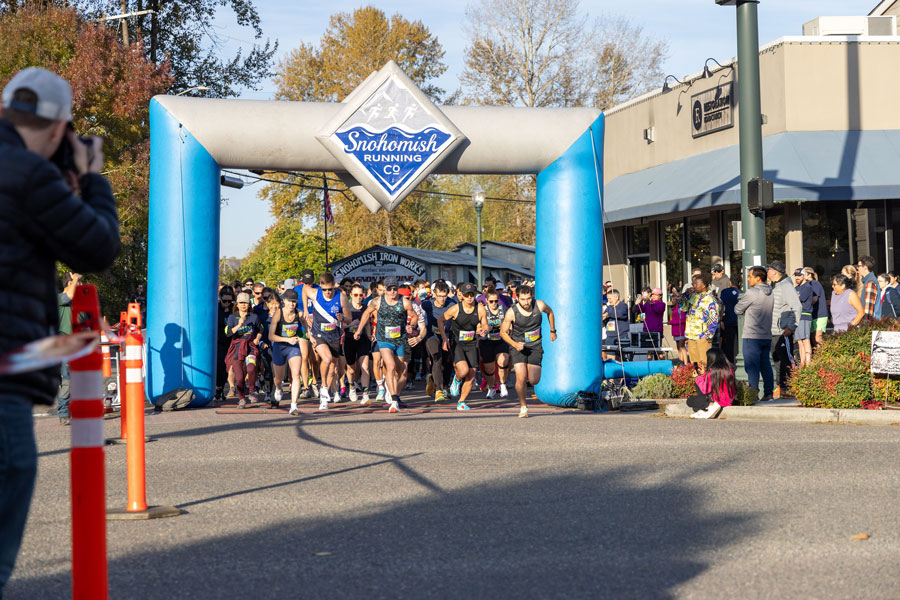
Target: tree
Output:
[(111, 85), (542, 53), (182, 33), (284, 251)]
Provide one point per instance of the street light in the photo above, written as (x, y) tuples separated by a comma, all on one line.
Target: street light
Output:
[(478, 201), (707, 73), (196, 88), (665, 88)]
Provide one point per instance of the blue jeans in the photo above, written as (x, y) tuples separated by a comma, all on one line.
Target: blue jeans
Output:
[(62, 396), (756, 361), (18, 467)]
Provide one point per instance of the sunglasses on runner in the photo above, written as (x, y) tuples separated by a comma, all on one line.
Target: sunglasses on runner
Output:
[(492, 301), (356, 295), (391, 288), (469, 295), (325, 289)]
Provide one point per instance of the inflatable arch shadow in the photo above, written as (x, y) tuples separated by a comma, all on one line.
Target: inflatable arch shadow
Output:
[(192, 139)]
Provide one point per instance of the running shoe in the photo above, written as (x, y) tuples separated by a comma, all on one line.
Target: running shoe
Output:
[(278, 394), (337, 397), (395, 407), (490, 394), (523, 412), (365, 397), (315, 389), (323, 404), (353, 396), (294, 410), (304, 393), (462, 406), (242, 403), (439, 396), (418, 377), (343, 391), (409, 385), (483, 384), (380, 395), (429, 385), (503, 391), (454, 387)]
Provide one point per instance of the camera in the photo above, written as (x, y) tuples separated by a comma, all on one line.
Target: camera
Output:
[(64, 157)]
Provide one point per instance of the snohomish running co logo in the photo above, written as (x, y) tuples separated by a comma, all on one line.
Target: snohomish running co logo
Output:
[(389, 137)]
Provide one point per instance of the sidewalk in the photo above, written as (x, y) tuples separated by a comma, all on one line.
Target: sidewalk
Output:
[(790, 411)]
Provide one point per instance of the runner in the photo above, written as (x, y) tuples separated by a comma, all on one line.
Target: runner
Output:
[(417, 331), (245, 332), (324, 310), (469, 320), (392, 311), (493, 350), (521, 329), (441, 363), (285, 335), (376, 290), (356, 351)]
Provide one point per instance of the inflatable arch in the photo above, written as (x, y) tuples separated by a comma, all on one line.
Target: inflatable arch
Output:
[(192, 139)]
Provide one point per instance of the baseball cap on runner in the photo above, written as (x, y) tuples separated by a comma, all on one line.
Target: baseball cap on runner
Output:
[(54, 94), (467, 288), (289, 283), (307, 277), (718, 268), (290, 294)]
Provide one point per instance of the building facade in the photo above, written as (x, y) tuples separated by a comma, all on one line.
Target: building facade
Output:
[(831, 145), (518, 254)]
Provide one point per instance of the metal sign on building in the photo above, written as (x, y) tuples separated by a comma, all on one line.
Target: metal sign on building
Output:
[(389, 136), (712, 110), (378, 264)]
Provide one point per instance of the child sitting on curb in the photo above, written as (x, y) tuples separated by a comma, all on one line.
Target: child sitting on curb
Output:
[(716, 387)]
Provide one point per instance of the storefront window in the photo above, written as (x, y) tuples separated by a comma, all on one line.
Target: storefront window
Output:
[(698, 243), (775, 236), (640, 239), (735, 257), (674, 244), (826, 246)]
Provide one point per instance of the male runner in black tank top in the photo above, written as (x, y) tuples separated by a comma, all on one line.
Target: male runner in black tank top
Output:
[(521, 329), (469, 321)]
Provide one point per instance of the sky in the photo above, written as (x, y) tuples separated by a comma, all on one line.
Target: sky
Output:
[(694, 29)]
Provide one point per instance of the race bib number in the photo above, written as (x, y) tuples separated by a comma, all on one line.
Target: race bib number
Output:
[(290, 330), (353, 328), (392, 333), (533, 336), (466, 336), (494, 336), (611, 326), (328, 327), (250, 360), (436, 330)]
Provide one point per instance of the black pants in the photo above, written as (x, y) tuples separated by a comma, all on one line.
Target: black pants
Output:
[(729, 341), (782, 354), (221, 368)]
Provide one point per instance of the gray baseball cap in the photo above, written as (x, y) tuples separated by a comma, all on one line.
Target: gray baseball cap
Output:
[(53, 92)]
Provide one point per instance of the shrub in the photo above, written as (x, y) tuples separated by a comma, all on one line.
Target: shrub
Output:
[(854, 340), (654, 387), (841, 381), (683, 381), (745, 396)]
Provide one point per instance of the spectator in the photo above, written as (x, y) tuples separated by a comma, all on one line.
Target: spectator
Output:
[(804, 326), (786, 311), (846, 308), (678, 320), (615, 319), (854, 283), (717, 386), (820, 307), (225, 308), (45, 220), (756, 306), (702, 319), (720, 280), (871, 293), (890, 298), (687, 286), (894, 281), (70, 282), (728, 296)]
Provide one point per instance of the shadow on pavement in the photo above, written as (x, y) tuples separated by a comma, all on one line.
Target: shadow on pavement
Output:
[(593, 534)]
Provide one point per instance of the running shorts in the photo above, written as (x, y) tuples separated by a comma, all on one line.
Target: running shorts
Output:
[(335, 346), (529, 356), (398, 349), (356, 349), (467, 353), (489, 350), (282, 352), (803, 329), (819, 324)]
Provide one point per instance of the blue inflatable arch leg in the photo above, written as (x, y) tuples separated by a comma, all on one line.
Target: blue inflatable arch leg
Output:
[(183, 261)]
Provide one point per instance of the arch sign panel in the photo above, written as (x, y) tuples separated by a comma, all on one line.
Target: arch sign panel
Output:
[(381, 141)]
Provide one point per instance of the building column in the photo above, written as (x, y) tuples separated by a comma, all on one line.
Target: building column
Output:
[(793, 236), (656, 252), (718, 238)]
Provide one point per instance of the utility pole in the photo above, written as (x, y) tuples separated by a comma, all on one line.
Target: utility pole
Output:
[(124, 16), (325, 212), (753, 224)]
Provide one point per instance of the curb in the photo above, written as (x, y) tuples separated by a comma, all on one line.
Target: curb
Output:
[(793, 414)]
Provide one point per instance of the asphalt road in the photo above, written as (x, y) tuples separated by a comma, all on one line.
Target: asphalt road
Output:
[(484, 505)]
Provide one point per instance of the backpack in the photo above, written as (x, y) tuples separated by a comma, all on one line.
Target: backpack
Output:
[(174, 400)]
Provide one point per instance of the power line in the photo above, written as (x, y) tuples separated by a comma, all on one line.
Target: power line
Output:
[(452, 195)]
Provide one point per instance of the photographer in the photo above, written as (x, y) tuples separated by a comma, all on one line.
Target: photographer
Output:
[(44, 221)]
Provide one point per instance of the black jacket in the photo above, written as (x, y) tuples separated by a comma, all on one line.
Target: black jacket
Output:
[(41, 222)]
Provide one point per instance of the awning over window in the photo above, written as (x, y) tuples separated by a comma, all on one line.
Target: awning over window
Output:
[(804, 165)]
